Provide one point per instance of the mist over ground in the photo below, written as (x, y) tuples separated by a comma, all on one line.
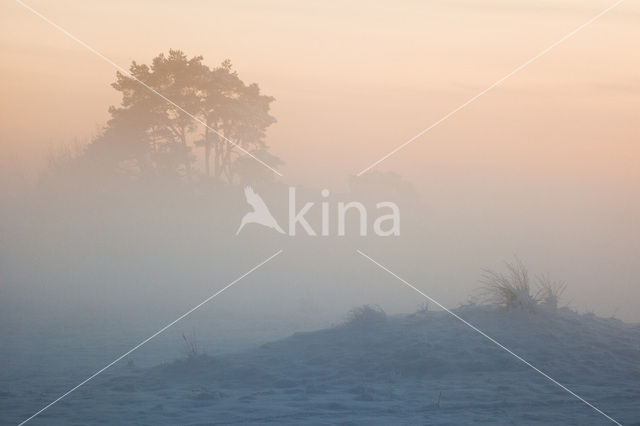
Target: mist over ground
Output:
[(129, 197), (146, 247)]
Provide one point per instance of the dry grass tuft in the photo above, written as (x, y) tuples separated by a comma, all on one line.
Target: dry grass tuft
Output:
[(513, 288), (191, 345)]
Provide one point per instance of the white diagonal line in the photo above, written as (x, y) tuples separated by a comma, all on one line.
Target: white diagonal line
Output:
[(497, 83), (500, 345), (128, 74), (150, 337)]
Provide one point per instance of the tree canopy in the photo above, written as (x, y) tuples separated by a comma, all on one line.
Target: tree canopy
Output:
[(148, 136)]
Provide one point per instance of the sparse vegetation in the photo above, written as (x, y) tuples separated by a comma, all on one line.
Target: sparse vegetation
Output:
[(191, 346), (422, 311), (365, 316), (514, 288), (549, 291)]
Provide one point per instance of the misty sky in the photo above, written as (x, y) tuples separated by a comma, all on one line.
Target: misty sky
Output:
[(546, 166)]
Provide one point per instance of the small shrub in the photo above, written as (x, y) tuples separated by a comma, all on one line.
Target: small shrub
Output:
[(422, 311), (365, 316)]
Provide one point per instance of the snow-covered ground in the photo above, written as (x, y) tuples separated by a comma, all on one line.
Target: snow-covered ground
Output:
[(423, 368)]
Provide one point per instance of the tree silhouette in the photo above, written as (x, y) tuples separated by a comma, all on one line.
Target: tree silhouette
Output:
[(146, 135)]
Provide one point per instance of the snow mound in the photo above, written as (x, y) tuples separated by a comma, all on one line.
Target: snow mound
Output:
[(427, 367)]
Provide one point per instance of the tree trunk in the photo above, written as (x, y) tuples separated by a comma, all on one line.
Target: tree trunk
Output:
[(207, 154), (218, 163), (207, 151), (187, 163)]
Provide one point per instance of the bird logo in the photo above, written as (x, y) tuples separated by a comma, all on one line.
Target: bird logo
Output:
[(260, 214)]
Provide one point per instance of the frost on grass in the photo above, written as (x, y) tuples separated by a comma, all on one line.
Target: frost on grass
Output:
[(514, 289)]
